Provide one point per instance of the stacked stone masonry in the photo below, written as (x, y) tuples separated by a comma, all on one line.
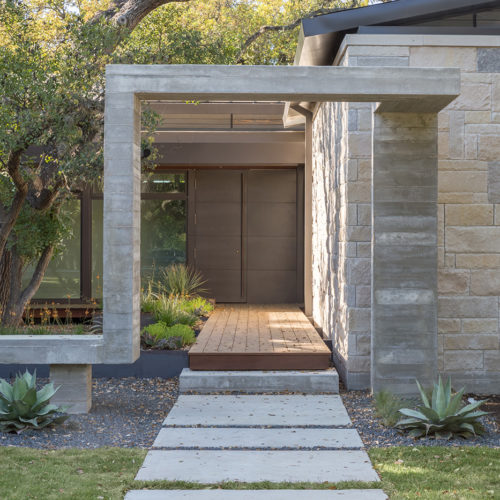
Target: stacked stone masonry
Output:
[(468, 211)]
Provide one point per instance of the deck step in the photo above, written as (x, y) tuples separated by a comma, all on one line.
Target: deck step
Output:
[(257, 382)]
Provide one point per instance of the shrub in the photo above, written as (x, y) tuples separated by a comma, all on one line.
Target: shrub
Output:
[(197, 306), (169, 310), (180, 280), (161, 336), (22, 406), (444, 416), (387, 407), (148, 298)]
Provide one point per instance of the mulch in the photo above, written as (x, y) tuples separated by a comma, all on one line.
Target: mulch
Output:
[(129, 412), (359, 405), (126, 413)]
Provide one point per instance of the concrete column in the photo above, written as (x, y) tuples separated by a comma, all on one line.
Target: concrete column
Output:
[(122, 211), (404, 251), (308, 222), (75, 389)]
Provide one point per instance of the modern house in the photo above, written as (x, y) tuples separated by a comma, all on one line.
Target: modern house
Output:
[(334, 205)]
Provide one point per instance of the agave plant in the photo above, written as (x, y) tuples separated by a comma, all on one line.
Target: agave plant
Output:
[(444, 416), (22, 406)]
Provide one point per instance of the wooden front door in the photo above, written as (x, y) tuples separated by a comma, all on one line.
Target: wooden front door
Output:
[(245, 233), (218, 232)]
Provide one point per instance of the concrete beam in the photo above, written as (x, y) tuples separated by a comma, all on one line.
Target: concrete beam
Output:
[(404, 251), (289, 83), (51, 349)]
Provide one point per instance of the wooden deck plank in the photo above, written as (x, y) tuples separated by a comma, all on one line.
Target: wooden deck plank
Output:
[(240, 339), (251, 337), (265, 344)]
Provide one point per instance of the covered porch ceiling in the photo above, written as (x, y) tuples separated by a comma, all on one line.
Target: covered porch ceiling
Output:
[(237, 133)]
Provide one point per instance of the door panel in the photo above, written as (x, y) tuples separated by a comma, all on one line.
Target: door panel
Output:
[(272, 236), (218, 232), (272, 254)]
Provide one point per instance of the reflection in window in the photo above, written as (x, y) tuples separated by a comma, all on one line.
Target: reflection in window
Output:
[(163, 235), (164, 183), (62, 278), (97, 225)]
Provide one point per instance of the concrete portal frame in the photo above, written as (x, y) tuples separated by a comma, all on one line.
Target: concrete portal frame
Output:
[(404, 311)]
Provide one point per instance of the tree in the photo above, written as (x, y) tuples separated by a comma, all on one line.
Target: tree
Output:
[(52, 59)]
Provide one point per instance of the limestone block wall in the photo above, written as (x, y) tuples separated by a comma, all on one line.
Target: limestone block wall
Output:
[(468, 210)]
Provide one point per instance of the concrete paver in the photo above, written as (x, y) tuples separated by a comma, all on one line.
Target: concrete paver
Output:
[(207, 466), (258, 410), (202, 437), (256, 495)]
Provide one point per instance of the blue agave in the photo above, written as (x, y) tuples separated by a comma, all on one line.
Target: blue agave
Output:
[(22, 406), (444, 415)]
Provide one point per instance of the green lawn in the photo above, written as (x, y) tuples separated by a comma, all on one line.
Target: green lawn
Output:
[(106, 473)]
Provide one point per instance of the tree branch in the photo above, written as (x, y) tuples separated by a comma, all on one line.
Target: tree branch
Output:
[(286, 27), (129, 13), (9, 218), (37, 277)]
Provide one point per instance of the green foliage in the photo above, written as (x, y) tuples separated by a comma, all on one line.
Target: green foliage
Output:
[(181, 280), (149, 298), (442, 415), (387, 406), (22, 406), (169, 310), (215, 32), (197, 306), (161, 336)]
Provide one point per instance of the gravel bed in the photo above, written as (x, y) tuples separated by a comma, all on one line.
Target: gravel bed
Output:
[(126, 413), (375, 435)]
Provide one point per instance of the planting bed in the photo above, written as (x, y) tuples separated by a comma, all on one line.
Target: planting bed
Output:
[(359, 405), (126, 413)]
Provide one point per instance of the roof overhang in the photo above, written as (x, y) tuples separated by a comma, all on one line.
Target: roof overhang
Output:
[(320, 37)]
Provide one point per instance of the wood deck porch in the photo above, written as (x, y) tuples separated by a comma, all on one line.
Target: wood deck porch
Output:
[(258, 337)]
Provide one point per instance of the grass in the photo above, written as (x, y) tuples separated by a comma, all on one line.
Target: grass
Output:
[(63, 474), (57, 329), (107, 473)]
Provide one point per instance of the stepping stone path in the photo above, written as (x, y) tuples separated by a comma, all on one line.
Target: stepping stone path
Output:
[(210, 439)]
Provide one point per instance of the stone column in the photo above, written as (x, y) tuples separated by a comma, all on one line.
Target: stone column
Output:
[(75, 387), (404, 251), (122, 211)]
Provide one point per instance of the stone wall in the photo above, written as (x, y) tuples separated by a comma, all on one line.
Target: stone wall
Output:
[(468, 210)]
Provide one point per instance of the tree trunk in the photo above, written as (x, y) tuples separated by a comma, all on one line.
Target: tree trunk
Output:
[(5, 262), (17, 299)]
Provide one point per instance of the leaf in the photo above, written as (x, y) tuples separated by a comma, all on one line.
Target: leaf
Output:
[(6, 390), (470, 407), (468, 427), (423, 395), (412, 413), (455, 402)]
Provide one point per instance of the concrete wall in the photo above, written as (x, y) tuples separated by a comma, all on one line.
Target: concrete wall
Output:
[(468, 210)]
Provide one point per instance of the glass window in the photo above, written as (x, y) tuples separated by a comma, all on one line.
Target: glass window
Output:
[(164, 182), (62, 278), (97, 225), (163, 235)]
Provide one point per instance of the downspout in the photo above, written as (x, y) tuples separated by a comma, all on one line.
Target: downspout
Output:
[(308, 295)]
